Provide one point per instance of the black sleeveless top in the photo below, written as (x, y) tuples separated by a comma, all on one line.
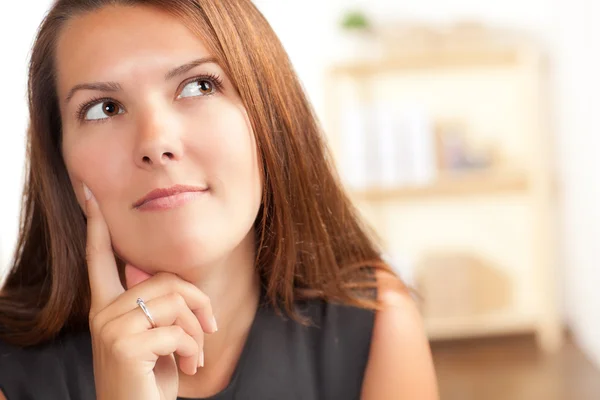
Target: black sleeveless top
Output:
[(281, 359)]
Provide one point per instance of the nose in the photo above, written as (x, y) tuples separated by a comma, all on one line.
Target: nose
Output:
[(158, 143)]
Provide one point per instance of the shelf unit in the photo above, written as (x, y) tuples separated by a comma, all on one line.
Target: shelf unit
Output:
[(458, 328), (521, 187), (430, 60), (456, 184)]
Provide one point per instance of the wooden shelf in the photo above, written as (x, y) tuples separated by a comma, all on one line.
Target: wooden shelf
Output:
[(430, 60), (499, 83), (477, 326), (457, 184)]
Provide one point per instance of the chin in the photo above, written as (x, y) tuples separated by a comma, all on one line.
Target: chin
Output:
[(177, 248), (179, 255), (171, 254)]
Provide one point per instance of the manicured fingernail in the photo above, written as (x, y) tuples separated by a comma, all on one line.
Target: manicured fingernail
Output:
[(214, 325), (201, 359), (87, 191)]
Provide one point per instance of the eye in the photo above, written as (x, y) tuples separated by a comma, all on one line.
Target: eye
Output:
[(199, 87), (103, 110)]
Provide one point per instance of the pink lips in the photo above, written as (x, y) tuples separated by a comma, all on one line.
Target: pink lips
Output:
[(164, 199)]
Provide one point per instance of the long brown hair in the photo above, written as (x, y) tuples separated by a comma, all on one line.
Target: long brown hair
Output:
[(310, 241)]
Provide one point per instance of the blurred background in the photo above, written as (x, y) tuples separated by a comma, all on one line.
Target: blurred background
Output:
[(466, 132)]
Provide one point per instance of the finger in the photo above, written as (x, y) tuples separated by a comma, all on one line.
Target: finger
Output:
[(165, 341), (104, 279), (167, 310), (200, 340), (163, 284), (134, 276)]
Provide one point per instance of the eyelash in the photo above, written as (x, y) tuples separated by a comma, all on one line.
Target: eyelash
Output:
[(215, 79)]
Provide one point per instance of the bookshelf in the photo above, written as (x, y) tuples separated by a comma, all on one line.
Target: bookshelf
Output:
[(460, 184), (498, 217), (430, 60)]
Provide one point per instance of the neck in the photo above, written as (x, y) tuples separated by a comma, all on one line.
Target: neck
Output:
[(233, 287)]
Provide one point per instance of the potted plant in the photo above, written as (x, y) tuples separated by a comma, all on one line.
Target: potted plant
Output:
[(355, 20), (357, 36)]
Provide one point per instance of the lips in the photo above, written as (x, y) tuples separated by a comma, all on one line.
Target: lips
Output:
[(172, 191)]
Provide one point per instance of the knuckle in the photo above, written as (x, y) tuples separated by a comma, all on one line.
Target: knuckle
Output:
[(108, 333), (97, 321), (204, 301), (177, 331), (91, 251), (173, 281), (94, 322), (196, 328), (177, 300), (163, 276), (195, 345), (121, 349)]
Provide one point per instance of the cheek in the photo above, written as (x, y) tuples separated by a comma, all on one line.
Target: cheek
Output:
[(230, 153), (97, 163)]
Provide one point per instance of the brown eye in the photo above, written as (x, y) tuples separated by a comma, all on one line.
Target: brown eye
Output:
[(205, 87), (198, 88), (102, 110), (110, 108)]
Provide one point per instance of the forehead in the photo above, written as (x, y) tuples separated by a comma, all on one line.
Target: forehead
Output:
[(114, 41)]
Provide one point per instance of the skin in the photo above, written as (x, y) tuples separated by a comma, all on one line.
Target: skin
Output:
[(181, 260)]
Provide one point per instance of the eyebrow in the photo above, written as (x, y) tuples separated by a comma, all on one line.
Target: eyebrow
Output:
[(101, 86), (186, 67), (115, 87)]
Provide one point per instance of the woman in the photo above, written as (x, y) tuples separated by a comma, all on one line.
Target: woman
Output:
[(183, 233)]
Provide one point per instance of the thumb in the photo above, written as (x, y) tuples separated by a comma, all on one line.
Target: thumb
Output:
[(134, 276)]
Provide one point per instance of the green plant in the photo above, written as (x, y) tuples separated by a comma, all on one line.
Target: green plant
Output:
[(355, 20)]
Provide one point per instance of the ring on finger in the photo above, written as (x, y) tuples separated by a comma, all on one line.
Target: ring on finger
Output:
[(142, 305)]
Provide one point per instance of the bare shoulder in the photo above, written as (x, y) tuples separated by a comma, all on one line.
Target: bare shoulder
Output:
[(400, 364), (2, 397)]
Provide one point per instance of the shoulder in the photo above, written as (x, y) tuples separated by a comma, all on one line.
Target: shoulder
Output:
[(339, 327), (400, 363), (64, 345), (56, 369)]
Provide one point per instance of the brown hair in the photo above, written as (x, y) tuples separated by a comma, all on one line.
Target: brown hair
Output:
[(310, 240)]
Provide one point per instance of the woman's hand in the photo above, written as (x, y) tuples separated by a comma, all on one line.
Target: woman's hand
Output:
[(133, 360)]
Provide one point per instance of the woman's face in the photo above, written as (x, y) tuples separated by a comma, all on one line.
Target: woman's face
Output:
[(141, 110)]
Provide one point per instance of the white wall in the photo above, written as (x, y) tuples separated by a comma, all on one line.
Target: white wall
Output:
[(308, 28), (18, 24), (578, 84)]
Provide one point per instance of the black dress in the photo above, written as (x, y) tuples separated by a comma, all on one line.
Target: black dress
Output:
[(281, 360)]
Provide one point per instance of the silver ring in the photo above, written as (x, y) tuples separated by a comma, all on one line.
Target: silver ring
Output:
[(142, 305)]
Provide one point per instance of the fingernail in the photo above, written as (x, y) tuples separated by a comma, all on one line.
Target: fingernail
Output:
[(201, 359), (214, 324), (87, 192)]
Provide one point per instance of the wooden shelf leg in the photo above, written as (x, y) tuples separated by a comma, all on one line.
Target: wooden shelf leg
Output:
[(550, 337)]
